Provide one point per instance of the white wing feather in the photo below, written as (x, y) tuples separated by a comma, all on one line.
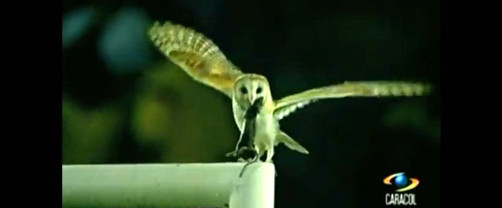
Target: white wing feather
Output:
[(290, 104)]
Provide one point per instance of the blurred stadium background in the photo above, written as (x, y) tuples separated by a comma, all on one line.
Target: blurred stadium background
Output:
[(123, 102)]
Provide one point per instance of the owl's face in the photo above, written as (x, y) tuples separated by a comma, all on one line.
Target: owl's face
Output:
[(250, 87)]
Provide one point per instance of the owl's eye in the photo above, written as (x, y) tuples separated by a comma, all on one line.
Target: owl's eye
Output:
[(258, 90), (244, 90)]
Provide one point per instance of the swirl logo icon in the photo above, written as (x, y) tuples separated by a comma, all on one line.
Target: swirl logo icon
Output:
[(403, 184), (401, 181)]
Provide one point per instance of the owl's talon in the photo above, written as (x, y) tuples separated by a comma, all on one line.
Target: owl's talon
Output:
[(237, 153), (242, 149), (231, 154)]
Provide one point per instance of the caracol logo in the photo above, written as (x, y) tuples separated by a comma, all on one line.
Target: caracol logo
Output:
[(400, 181), (403, 184)]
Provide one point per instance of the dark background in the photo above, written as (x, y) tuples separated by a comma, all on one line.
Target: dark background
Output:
[(123, 102)]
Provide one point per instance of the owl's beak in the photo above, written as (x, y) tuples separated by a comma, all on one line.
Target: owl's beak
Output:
[(251, 98)]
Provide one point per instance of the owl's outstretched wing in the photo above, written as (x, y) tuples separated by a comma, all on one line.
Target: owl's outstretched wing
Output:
[(289, 104), (197, 55)]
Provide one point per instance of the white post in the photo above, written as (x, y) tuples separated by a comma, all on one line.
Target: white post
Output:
[(169, 185), (256, 189)]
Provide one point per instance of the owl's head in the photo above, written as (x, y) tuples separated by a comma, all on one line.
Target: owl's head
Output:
[(250, 87)]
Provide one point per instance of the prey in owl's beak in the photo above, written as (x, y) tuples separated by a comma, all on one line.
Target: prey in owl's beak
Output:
[(247, 152), (254, 109), (249, 130), (249, 133)]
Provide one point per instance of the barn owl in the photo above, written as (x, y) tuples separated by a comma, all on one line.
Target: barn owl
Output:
[(201, 59)]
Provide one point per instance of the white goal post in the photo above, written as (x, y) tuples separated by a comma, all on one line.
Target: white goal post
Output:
[(169, 185)]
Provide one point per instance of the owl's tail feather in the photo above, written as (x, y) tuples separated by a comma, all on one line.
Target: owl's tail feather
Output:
[(290, 143)]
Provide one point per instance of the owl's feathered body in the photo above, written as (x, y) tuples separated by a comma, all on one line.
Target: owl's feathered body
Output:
[(267, 132), (200, 58)]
